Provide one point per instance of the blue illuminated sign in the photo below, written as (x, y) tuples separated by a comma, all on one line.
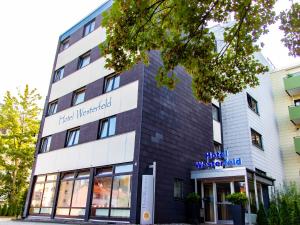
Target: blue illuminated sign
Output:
[(218, 159)]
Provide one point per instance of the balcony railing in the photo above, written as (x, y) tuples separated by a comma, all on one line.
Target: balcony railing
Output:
[(297, 144), (292, 84), (294, 112)]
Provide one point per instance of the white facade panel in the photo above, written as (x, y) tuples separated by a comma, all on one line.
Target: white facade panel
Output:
[(80, 78), (217, 131), (269, 159), (112, 103), (80, 47), (112, 150)]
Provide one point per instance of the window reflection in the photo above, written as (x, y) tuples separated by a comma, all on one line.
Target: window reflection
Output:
[(121, 192), (43, 194), (72, 195), (112, 192)]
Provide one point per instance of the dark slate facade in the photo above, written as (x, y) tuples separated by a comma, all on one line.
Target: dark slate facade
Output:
[(175, 131)]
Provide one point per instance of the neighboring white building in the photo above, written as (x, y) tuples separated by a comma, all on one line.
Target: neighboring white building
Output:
[(286, 89)]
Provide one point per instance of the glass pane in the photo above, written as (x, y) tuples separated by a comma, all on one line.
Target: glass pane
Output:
[(65, 192), (84, 174), (41, 178), (223, 189), (71, 138), (52, 177), (223, 212), (85, 61), (79, 97), (239, 186), (117, 82), (120, 213), (104, 171), (80, 193), (101, 212), (86, 30), (101, 192), (77, 212), (209, 202), (62, 211), (46, 210), (112, 126), (104, 127), (109, 84), (121, 192), (68, 176), (34, 211), (37, 195), (92, 26), (124, 168), (47, 147), (76, 139), (48, 194)]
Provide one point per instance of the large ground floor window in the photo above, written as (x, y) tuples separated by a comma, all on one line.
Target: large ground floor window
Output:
[(112, 192), (43, 194), (72, 195), (107, 194)]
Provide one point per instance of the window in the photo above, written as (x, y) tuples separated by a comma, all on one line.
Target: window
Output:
[(72, 137), (178, 189), (89, 27), (252, 103), (52, 108), (78, 96), (45, 144), (217, 147), (111, 83), (107, 127), (112, 192), (72, 195), (216, 113), (43, 194), (256, 139), (65, 44), (59, 74), (297, 102), (84, 60)]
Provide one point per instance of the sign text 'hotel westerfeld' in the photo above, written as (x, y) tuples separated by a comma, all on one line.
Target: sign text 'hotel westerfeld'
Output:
[(82, 112)]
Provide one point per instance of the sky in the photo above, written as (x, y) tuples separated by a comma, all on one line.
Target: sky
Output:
[(30, 31)]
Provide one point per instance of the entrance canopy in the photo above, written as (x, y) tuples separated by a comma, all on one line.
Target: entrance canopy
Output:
[(218, 174)]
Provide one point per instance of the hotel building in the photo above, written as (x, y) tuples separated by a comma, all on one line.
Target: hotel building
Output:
[(286, 89), (104, 134)]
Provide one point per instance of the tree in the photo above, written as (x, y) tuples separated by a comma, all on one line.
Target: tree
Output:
[(19, 124), (180, 30), (290, 24)]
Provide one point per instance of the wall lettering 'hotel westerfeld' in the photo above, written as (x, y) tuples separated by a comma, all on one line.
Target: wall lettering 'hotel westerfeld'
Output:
[(77, 114)]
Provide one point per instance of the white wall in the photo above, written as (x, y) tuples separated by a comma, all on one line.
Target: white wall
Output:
[(112, 150)]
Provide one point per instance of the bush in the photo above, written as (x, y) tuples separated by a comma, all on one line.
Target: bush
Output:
[(193, 197), (237, 198), (285, 217), (4, 210), (295, 214), (273, 214), (262, 216)]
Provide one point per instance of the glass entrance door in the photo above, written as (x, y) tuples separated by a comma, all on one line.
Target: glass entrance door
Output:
[(223, 189), (209, 203)]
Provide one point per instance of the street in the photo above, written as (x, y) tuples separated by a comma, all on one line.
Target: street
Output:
[(8, 221)]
